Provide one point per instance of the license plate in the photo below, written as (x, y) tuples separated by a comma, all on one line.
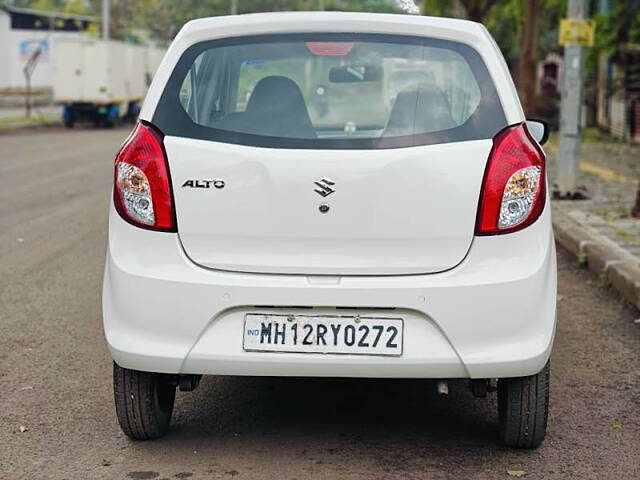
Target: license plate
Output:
[(334, 334)]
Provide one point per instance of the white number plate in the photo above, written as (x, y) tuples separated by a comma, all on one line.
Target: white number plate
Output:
[(323, 334)]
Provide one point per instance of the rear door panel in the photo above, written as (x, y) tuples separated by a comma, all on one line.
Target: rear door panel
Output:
[(394, 211)]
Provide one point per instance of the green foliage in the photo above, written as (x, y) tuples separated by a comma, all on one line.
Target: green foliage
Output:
[(379, 6), (582, 259), (437, 8), (618, 28), (595, 135), (505, 24), (505, 20), (163, 18), (552, 12), (65, 6)]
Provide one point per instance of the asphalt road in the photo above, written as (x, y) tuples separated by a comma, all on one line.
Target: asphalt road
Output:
[(55, 371)]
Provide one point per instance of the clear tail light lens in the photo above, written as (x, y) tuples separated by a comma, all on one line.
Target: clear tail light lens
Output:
[(142, 190), (513, 190), (136, 193), (519, 195)]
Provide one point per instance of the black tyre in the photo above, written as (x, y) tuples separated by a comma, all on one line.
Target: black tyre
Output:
[(523, 407), (69, 119), (144, 402), (112, 122)]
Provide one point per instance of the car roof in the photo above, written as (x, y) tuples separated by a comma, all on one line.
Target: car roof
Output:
[(300, 22), (319, 15)]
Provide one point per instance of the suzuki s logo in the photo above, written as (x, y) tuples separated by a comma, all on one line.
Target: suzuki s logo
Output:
[(203, 183), (325, 187)]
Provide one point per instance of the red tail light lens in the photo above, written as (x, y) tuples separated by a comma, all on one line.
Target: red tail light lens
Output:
[(142, 189), (513, 190)]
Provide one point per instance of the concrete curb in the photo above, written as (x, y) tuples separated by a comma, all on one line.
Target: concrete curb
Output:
[(602, 256)]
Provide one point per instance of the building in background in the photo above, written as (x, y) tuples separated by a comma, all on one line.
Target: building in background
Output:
[(22, 32), (618, 96)]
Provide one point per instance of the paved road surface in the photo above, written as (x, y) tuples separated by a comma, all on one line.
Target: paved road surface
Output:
[(55, 371)]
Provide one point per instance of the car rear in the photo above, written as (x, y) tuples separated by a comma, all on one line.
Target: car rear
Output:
[(301, 201)]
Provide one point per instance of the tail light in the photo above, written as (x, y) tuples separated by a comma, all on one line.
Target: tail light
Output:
[(142, 190), (513, 190)]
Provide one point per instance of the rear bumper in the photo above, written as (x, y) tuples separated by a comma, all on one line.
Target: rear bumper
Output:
[(491, 316)]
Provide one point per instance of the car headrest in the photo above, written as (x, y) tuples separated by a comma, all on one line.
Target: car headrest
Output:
[(419, 109), (276, 93), (276, 107)]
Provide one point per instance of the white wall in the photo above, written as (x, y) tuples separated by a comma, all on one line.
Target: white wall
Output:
[(5, 26)]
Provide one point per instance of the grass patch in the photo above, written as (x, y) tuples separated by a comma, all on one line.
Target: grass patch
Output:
[(625, 234), (595, 135), (13, 122), (582, 259)]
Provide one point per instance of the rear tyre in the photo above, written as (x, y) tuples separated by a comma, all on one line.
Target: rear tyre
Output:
[(69, 118), (523, 407), (111, 122), (144, 402)]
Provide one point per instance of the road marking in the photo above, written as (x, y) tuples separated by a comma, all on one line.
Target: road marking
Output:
[(606, 173)]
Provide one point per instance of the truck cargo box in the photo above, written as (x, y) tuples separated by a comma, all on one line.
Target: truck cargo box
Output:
[(135, 72), (153, 57), (90, 71)]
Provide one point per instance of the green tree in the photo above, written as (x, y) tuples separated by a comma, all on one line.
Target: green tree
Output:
[(163, 18), (475, 10), (525, 30), (528, 56), (617, 31)]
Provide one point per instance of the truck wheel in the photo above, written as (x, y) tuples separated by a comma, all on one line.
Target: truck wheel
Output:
[(523, 407), (144, 402), (111, 122), (112, 119), (69, 118)]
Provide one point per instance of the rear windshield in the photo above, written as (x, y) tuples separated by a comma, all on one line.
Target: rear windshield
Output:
[(334, 91)]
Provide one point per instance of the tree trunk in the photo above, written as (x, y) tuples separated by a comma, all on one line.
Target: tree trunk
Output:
[(477, 10), (635, 211), (527, 59)]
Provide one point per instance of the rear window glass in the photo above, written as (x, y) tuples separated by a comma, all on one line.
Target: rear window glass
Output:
[(330, 91)]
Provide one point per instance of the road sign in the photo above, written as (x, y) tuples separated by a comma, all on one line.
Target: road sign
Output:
[(574, 31)]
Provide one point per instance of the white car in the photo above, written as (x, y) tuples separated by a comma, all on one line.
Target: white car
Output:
[(334, 195)]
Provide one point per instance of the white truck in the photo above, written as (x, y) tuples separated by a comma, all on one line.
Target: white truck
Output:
[(99, 81)]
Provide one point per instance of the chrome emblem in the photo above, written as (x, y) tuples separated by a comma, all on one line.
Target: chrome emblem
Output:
[(325, 187), (203, 183)]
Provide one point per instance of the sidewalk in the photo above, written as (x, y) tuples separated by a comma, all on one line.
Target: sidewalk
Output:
[(44, 110), (600, 230), (14, 120), (13, 113)]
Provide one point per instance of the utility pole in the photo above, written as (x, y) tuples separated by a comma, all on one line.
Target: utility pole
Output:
[(570, 106), (106, 10), (234, 7), (28, 71)]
